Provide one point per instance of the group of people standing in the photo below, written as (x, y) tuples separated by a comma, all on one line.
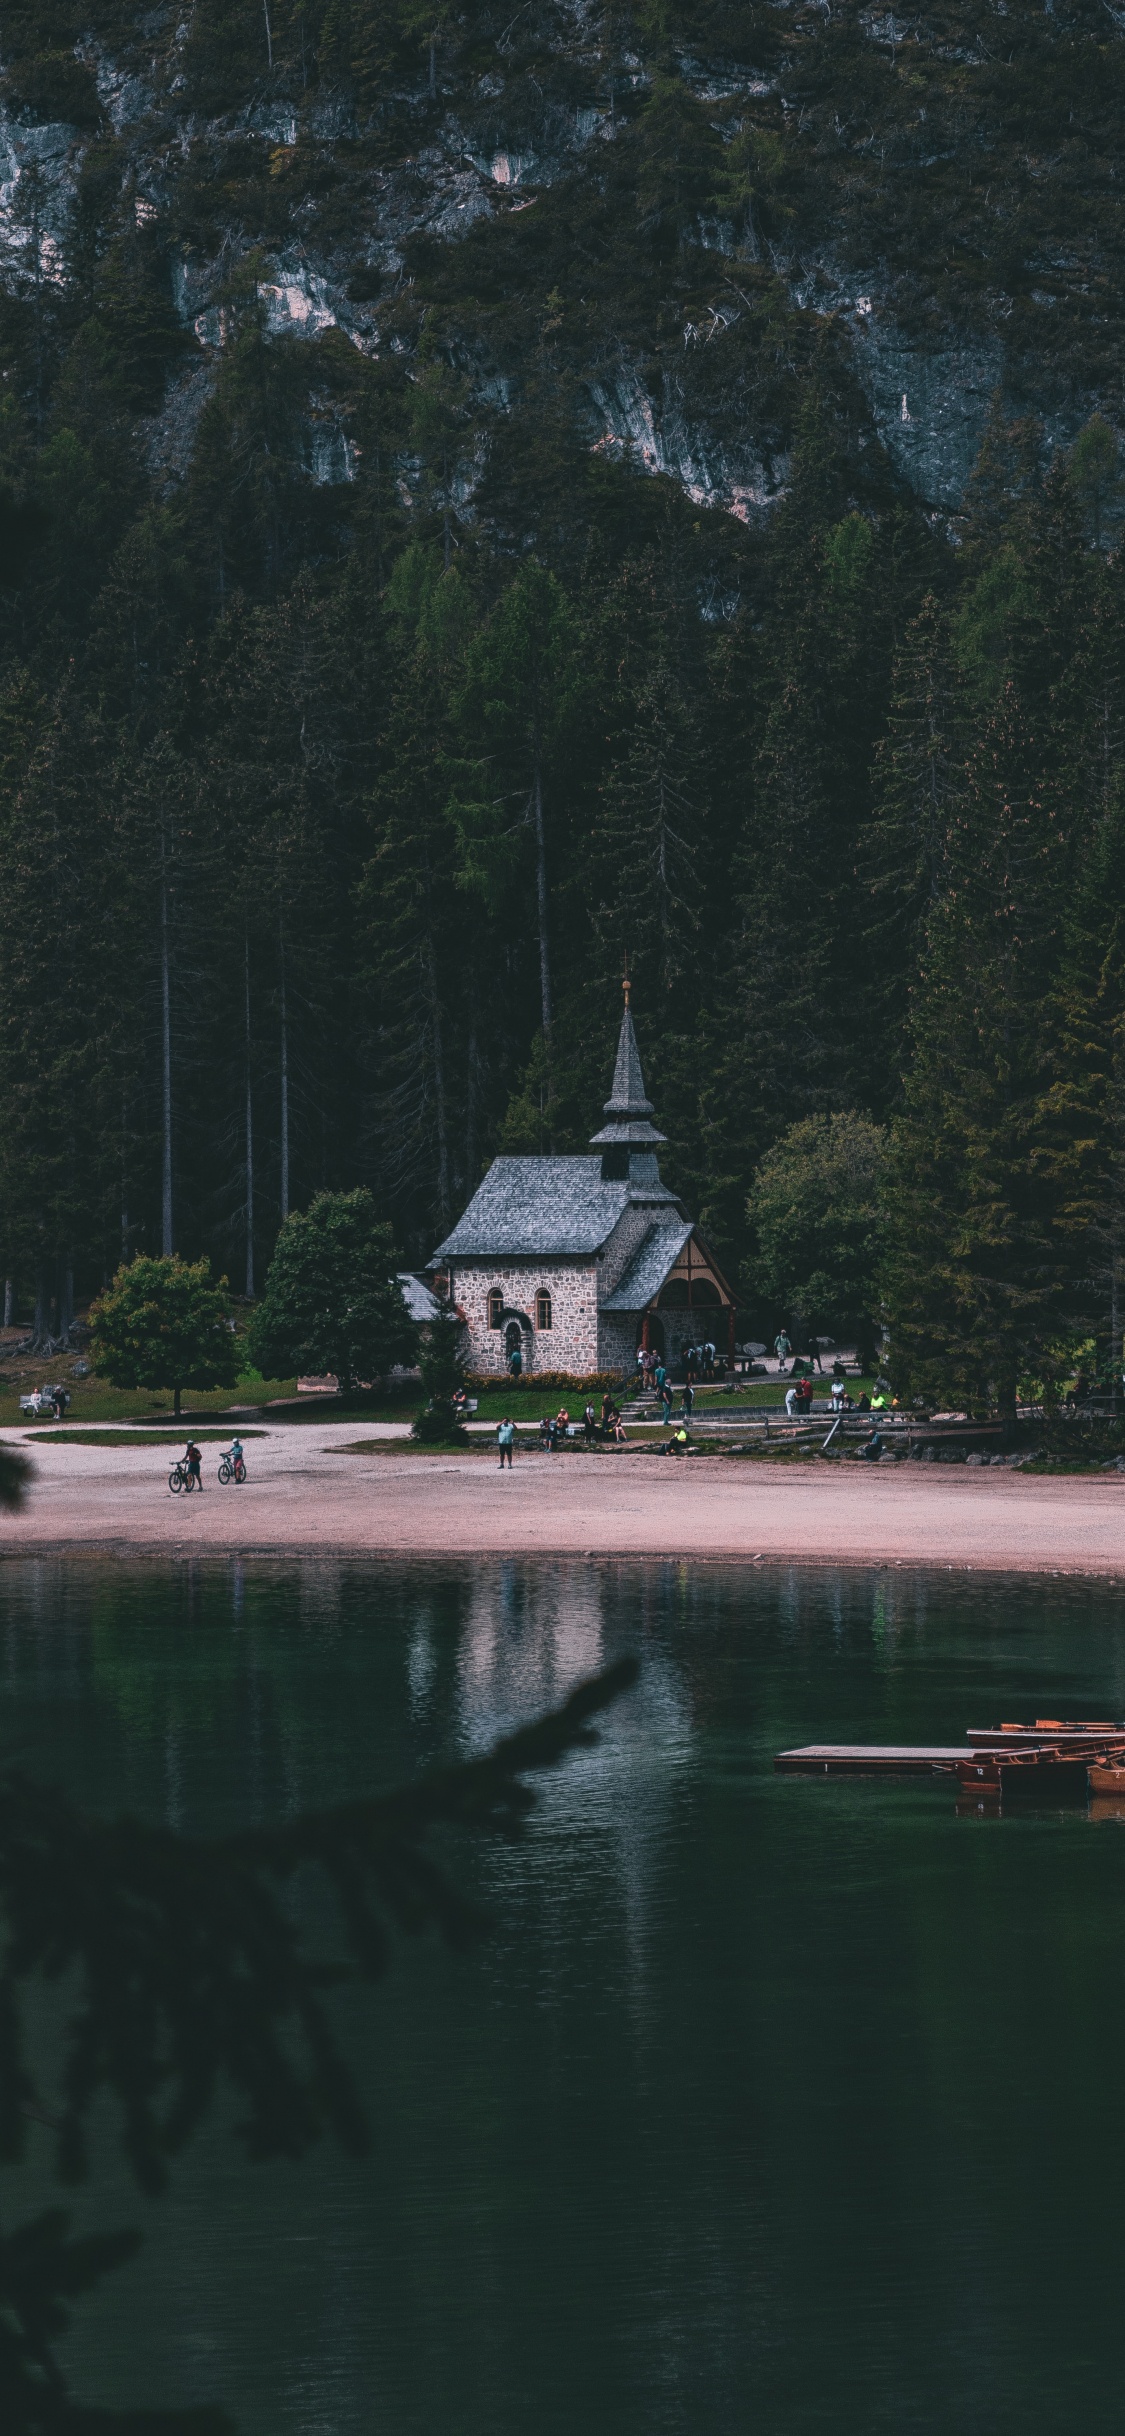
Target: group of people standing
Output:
[(698, 1363), (554, 1428), (655, 1375)]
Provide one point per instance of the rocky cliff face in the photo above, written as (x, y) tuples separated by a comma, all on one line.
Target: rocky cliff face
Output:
[(652, 219)]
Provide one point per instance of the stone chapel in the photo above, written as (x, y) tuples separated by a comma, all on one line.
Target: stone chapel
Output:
[(577, 1261)]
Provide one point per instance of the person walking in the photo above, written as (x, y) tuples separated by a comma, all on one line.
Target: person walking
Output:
[(515, 1363), (666, 1401), (505, 1439), (590, 1424), (658, 1378), (607, 1409), (688, 1405), (783, 1349)]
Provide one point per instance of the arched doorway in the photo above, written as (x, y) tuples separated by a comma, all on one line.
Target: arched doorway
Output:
[(650, 1331), (513, 1339)]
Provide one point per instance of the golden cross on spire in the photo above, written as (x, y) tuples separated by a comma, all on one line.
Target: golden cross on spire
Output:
[(626, 984)]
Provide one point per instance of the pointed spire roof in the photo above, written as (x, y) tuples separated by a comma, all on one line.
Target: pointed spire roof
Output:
[(627, 1098), (627, 1107)]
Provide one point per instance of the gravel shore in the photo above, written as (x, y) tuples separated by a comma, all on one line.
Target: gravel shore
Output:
[(307, 1491)]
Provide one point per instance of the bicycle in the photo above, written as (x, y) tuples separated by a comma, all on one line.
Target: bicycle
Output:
[(231, 1471), (181, 1477)]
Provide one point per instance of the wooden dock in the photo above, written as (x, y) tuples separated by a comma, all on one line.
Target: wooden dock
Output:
[(1053, 1755), (871, 1758)]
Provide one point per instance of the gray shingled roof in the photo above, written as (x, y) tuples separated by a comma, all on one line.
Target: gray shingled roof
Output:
[(627, 1108), (627, 1098), (537, 1206), (420, 1303), (655, 1255)]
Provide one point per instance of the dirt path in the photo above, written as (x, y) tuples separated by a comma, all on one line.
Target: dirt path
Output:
[(305, 1493)]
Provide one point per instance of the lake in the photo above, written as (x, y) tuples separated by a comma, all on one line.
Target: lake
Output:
[(767, 2104)]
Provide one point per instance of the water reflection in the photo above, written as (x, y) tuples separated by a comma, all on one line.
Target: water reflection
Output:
[(768, 2104)]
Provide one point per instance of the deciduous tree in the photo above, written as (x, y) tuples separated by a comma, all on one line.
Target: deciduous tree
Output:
[(164, 1323), (333, 1303)]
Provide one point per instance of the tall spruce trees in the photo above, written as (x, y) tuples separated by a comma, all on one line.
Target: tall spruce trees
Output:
[(993, 1198)]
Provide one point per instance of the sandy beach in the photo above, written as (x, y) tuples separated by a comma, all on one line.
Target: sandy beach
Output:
[(307, 1492)]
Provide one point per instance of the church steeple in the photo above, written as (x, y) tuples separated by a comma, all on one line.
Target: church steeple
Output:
[(628, 1142)]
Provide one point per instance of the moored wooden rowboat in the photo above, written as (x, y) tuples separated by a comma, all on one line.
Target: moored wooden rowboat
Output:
[(1106, 1776)]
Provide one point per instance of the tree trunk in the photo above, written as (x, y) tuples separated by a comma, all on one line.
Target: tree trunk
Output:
[(438, 1056), (1115, 1321), (249, 1131), (124, 1179), (472, 1063), (269, 33), (7, 1302), (544, 941), (284, 1083), (41, 1304), (165, 1061)]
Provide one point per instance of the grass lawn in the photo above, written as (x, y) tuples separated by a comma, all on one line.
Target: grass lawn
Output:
[(135, 1437), (92, 1400), (530, 1403), (772, 1392)]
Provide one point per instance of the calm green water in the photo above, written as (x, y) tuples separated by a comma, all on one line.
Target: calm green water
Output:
[(769, 2106)]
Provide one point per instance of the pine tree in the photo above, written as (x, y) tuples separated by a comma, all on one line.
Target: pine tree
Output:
[(57, 945), (414, 913), (917, 780), (519, 702), (977, 1269), (1083, 1106), (647, 845)]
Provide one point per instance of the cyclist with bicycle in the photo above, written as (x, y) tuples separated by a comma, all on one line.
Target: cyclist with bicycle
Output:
[(193, 1463), (232, 1463)]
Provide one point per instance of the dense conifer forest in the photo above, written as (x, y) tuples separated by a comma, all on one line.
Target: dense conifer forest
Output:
[(457, 526)]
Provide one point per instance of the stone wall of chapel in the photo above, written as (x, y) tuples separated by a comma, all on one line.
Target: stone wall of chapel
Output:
[(617, 1341), (630, 1230), (570, 1343)]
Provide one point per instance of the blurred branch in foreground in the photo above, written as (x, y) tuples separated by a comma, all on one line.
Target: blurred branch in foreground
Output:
[(190, 1969)]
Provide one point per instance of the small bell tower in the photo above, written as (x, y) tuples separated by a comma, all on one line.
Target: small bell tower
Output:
[(629, 1143)]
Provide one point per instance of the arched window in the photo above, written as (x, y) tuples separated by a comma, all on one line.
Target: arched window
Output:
[(543, 1308), (674, 1296), (705, 1295), (495, 1307)]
